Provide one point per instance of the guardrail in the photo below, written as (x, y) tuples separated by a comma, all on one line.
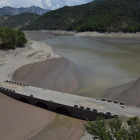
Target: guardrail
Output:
[(16, 83), (96, 111), (111, 101)]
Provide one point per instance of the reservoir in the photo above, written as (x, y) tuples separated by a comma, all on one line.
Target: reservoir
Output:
[(101, 63)]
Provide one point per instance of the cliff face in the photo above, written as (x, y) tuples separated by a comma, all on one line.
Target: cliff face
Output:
[(15, 11)]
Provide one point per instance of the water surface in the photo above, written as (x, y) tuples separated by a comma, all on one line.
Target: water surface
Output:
[(100, 65)]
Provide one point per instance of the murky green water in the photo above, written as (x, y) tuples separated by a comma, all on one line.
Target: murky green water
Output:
[(100, 65)]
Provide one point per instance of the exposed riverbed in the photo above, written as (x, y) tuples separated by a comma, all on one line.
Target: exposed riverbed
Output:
[(101, 63)]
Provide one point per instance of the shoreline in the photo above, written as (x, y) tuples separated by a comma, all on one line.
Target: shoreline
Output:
[(14, 59), (36, 118), (87, 33), (53, 74)]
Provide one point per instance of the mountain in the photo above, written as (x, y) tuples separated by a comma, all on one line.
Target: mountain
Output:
[(7, 10), (61, 18), (17, 21), (111, 15), (98, 15)]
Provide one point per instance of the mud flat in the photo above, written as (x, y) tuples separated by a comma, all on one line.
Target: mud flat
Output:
[(20, 121), (128, 93), (53, 74), (14, 59)]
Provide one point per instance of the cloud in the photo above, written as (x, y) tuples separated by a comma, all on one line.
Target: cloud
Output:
[(20, 3), (4, 3), (55, 4)]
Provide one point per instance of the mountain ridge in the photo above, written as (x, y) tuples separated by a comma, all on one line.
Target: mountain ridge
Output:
[(7, 10), (61, 18)]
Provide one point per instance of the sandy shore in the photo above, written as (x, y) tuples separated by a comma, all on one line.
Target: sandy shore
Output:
[(14, 59)]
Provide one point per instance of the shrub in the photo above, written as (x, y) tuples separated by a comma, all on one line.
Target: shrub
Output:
[(11, 37), (115, 129)]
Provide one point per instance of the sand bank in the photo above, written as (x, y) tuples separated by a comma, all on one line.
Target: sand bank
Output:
[(62, 128), (54, 74), (14, 59), (128, 93)]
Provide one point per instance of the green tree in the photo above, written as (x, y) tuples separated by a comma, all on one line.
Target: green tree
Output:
[(12, 38), (21, 38), (115, 129)]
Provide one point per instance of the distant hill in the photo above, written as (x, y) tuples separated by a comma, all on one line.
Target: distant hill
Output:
[(98, 15), (61, 18), (17, 21), (111, 15), (7, 10)]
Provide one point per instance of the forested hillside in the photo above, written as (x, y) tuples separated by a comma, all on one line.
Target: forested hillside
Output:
[(61, 18), (111, 15), (98, 15), (17, 21)]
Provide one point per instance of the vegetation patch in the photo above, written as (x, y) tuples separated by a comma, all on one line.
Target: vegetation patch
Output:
[(61, 18), (11, 38), (33, 54), (115, 129)]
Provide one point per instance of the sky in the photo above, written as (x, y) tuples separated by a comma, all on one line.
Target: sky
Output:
[(46, 4)]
